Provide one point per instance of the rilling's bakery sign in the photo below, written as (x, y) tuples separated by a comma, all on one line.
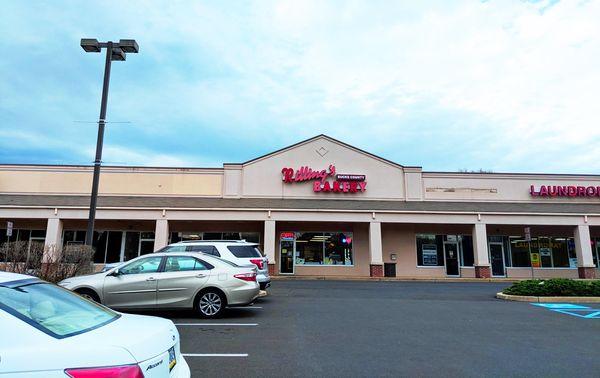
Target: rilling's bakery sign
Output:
[(326, 180)]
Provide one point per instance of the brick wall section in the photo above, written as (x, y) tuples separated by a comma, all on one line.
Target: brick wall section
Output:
[(272, 270), (376, 270), (586, 272), (483, 272)]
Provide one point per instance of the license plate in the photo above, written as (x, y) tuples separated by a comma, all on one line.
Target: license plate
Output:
[(172, 360)]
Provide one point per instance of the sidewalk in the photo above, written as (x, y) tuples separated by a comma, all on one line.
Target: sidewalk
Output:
[(402, 279)]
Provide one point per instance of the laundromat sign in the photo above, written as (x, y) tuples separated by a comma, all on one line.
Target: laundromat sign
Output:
[(326, 180), (564, 191)]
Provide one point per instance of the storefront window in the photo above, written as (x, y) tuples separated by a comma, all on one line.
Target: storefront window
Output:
[(466, 246), (251, 237), (430, 250), (546, 252), (309, 248), (338, 249), (324, 248), (111, 246)]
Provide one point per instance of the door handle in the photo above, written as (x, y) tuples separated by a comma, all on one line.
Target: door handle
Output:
[(150, 279), (200, 275)]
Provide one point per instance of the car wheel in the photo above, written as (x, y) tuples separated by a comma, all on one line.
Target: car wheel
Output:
[(211, 304), (89, 295)]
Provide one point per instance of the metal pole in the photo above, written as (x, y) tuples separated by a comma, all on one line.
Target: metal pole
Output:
[(98, 161), (531, 261)]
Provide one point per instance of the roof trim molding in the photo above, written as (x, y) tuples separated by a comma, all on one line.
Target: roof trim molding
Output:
[(327, 137)]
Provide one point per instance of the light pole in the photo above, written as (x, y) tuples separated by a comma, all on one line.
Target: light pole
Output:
[(114, 51)]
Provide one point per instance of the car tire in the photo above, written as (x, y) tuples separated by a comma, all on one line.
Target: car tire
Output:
[(211, 303), (89, 295)]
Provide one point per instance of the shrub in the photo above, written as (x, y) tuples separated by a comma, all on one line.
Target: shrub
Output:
[(555, 287), (47, 263)]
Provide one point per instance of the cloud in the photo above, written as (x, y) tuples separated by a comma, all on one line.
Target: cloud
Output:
[(501, 85)]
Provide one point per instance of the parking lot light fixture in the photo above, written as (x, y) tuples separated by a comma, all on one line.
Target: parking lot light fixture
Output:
[(116, 51)]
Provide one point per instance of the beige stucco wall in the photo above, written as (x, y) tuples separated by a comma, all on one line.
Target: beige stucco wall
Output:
[(499, 187), (113, 180), (262, 178)]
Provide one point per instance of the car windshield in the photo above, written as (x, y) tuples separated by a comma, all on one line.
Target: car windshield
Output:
[(52, 309), (244, 251)]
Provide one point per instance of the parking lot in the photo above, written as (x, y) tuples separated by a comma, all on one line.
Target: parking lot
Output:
[(341, 328)]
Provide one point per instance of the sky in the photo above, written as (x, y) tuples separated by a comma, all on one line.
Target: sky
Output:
[(499, 85)]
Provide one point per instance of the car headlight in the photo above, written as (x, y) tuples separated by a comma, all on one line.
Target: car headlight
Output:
[(63, 283)]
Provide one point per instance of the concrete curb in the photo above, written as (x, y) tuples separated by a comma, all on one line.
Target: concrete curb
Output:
[(526, 298), (391, 279)]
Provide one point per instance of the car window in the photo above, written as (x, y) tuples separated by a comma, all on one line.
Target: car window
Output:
[(56, 311), (146, 265), (173, 248), (244, 251), (208, 249), (183, 263)]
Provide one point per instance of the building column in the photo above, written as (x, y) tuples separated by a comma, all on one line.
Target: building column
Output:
[(53, 241), (583, 249), (269, 245), (375, 249), (481, 259), (161, 234)]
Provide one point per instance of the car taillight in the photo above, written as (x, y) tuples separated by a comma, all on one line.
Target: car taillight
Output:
[(124, 371), (258, 263), (246, 276)]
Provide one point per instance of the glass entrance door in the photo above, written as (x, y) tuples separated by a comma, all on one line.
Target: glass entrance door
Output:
[(451, 256), (286, 252), (497, 259)]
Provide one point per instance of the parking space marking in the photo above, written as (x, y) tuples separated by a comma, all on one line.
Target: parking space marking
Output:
[(592, 313), (218, 324), (560, 305), (214, 354), (571, 309), (246, 307)]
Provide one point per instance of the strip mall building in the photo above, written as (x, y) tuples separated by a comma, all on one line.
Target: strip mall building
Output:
[(322, 208)]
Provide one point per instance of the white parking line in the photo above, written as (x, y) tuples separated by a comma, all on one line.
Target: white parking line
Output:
[(246, 307), (214, 355), (218, 324)]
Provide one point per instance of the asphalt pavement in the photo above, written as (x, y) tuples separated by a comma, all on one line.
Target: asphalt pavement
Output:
[(366, 329)]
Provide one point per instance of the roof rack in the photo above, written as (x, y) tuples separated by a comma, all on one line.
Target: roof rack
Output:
[(213, 241)]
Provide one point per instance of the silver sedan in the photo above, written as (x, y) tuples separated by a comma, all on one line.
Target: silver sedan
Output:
[(201, 282)]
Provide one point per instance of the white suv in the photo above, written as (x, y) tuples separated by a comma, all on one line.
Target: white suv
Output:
[(239, 252)]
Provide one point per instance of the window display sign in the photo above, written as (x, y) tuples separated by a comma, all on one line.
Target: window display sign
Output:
[(287, 236), (564, 191), (430, 254), (326, 180), (535, 260)]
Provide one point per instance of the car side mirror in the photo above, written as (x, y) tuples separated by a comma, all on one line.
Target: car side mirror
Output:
[(115, 273)]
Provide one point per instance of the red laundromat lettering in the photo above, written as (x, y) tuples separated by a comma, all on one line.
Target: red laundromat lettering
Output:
[(565, 191)]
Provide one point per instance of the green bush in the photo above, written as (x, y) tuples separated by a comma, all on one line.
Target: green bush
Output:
[(555, 287)]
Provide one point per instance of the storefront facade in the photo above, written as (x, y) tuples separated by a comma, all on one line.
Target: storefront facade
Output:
[(322, 208)]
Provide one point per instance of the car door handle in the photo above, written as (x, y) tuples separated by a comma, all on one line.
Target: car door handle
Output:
[(200, 275), (150, 279)]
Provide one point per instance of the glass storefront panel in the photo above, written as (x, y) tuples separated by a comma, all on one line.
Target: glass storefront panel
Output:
[(309, 248), (132, 241), (546, 252), (322, 248), (113, 247), (338, 249), (251, 237), (430, 250)]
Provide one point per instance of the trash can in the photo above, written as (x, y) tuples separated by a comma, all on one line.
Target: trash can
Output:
[(389, 269)]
